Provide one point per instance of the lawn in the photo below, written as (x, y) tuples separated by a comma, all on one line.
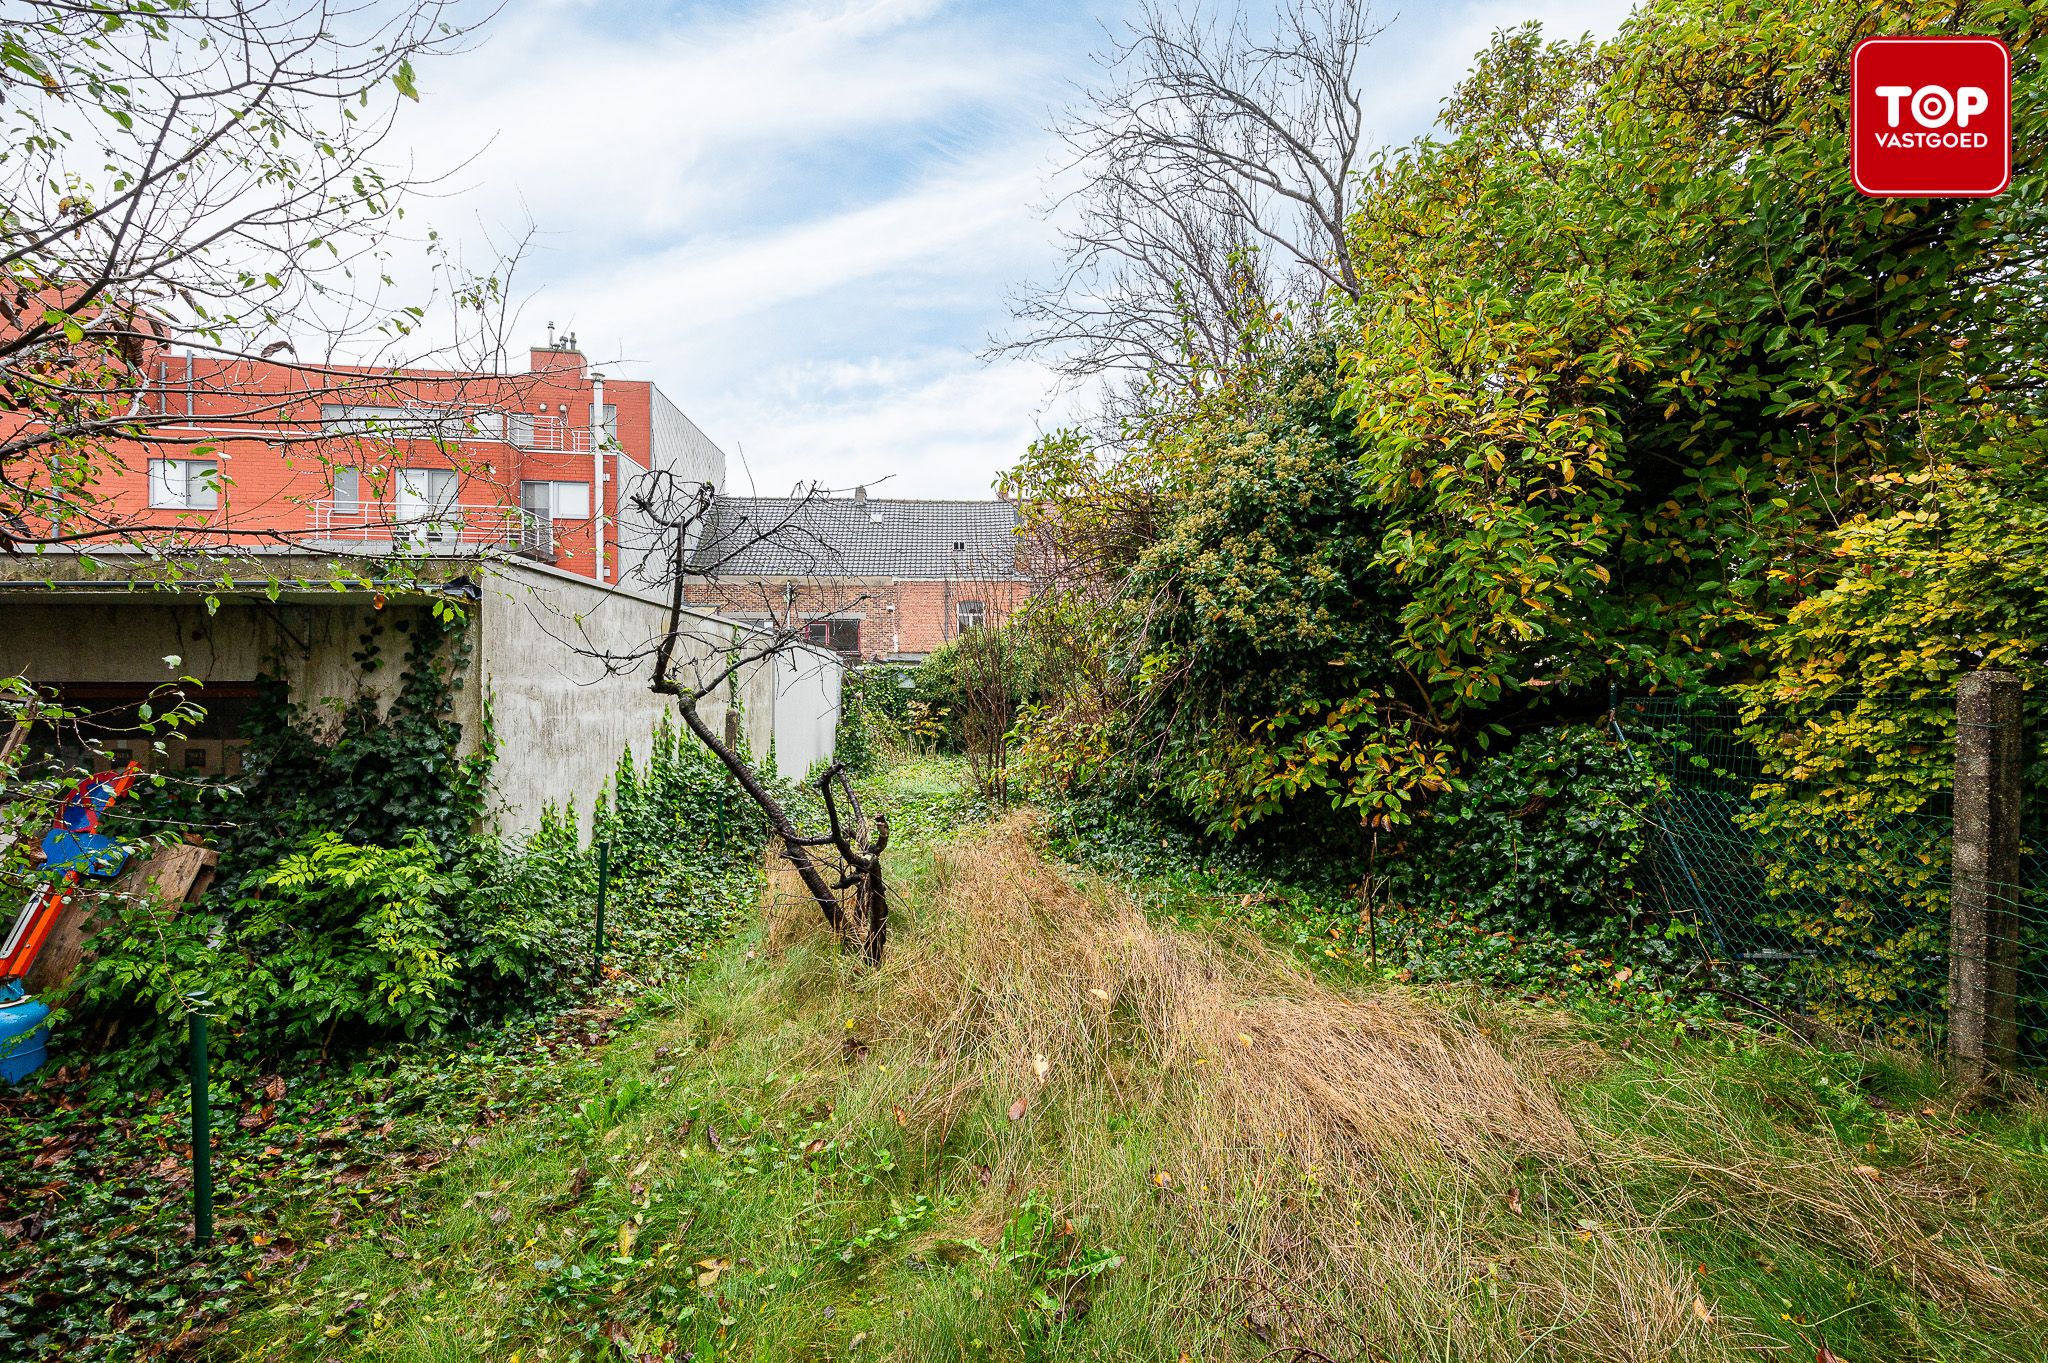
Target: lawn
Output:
[(1053, 1126)]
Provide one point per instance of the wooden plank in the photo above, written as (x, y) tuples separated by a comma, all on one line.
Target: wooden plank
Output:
[(173, 877)]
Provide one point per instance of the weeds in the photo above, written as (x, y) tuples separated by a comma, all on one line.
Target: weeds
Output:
[(1049, 1127)]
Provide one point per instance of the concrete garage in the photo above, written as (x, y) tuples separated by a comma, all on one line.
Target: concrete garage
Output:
[(561, 716)]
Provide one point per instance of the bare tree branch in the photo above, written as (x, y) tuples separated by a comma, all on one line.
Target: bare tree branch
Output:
[(1215, 174)]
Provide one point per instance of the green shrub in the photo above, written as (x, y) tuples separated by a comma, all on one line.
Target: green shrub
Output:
[(1554, 829), (344, 942), (874, 713), (337, 933)]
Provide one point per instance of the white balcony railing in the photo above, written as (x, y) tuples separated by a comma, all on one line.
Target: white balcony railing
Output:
[(530, 431), (454, 528)]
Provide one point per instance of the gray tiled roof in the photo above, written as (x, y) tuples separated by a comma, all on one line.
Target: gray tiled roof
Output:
[(854, 537)]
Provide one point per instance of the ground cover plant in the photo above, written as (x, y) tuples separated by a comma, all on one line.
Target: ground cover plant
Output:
[(1052, 1126), (312, 1136)]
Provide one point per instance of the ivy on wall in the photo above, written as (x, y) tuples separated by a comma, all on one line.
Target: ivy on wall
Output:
[(377, 775)]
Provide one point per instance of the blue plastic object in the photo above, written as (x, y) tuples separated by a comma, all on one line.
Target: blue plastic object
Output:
[(75, 843), (24, 1040)]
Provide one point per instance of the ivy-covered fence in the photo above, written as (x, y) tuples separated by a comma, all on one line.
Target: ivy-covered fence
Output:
[(1827, 885)]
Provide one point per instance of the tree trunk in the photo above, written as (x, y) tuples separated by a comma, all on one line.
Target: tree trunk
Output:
[(794, 846)]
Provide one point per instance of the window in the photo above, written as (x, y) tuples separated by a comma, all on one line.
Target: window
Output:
[(969, 615), (427, 508), (348, 492), (557, 501), (841, 636), (187, 484)]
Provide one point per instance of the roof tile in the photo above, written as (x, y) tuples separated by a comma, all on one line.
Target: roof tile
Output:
[(857, 537)]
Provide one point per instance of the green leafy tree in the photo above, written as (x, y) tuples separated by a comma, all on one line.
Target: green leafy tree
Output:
[(1630, 353)]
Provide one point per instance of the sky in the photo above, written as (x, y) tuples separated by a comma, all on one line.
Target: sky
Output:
[(803, 219)]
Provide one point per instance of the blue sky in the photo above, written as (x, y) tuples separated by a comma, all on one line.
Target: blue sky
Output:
[(802, 220)]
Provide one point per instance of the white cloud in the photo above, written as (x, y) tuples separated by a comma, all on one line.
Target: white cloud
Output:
[(918, 426), (802, 219)]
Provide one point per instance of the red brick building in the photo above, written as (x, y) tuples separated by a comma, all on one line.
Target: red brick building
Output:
[(872, 578), (541, 464)]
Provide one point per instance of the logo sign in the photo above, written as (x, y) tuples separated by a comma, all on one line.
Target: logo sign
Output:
[(1931, 118)]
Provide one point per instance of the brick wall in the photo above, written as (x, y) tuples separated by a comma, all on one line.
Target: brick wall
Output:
[(261, 423), (895, 616)]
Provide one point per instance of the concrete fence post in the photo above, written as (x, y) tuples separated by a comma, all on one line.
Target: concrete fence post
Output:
[(1983, 979)]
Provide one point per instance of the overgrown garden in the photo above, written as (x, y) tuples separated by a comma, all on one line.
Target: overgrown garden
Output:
[(1632, 393), (375, 964)]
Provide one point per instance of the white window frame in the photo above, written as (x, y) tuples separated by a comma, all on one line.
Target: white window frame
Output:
[(567, 500), (960, 622), (348, 492), (184, 484)]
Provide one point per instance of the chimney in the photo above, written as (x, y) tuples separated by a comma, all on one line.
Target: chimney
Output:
[(860, 496), (560, 355)]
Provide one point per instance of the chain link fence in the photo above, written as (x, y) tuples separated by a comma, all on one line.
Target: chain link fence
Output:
[(1833, 893)]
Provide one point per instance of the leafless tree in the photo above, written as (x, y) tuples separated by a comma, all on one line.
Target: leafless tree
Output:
[(1213, 172), (687, 543), (210, 175)]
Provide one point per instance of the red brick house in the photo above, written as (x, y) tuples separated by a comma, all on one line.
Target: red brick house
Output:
[(873, 578)]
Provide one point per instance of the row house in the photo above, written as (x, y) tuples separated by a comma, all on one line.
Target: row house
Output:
[(871, 578)]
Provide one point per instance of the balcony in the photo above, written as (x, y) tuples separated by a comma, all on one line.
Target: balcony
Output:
[(559, 434), (453, 529)]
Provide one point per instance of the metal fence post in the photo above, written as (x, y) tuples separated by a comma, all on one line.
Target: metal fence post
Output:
[(1983, 979), (202, 1139), (604, 869)]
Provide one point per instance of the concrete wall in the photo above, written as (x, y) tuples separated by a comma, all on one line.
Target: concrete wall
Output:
[(566, 665), (563, 661), (806, 710), (125, 639)]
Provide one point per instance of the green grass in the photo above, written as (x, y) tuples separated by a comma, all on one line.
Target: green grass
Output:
[(792, 1160)]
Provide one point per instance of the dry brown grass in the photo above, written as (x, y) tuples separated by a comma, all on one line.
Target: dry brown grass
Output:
[(1363, 1175), (1339, 1168)]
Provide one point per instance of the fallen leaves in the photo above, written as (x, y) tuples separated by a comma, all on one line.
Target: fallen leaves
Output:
[(1019, 1108), (709, 1271), (1041, 1067), (579, 1184)]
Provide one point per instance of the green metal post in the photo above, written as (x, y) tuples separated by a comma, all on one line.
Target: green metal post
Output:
[(604, 875), (721, 818), (202, 1140)]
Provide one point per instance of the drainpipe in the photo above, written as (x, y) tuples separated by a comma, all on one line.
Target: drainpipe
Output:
[(597, 459)]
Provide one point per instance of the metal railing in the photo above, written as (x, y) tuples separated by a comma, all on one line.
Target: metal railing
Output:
[(453, 528), (530, 431)]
